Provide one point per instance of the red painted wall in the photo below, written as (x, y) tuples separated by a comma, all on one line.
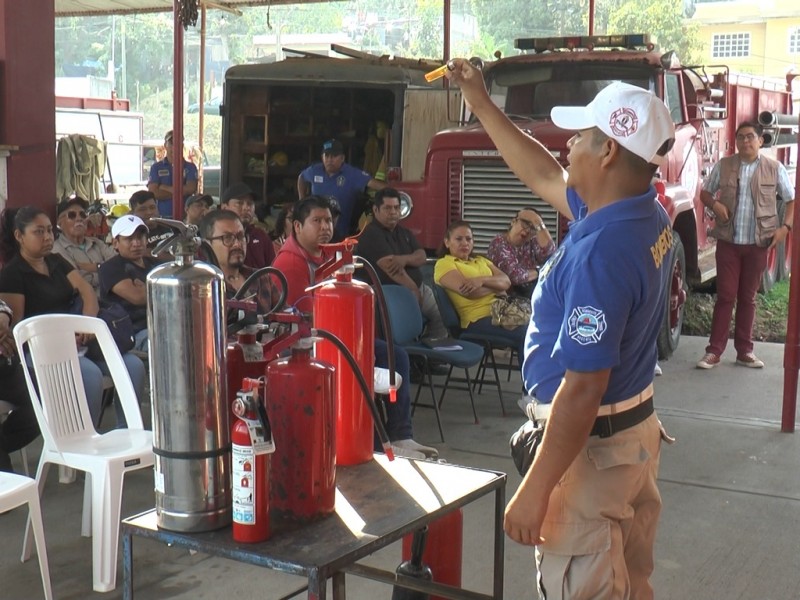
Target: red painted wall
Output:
[(27, 100)]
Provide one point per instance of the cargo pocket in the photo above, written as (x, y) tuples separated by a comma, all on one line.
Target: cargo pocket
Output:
[(609, 456), (566, 570)]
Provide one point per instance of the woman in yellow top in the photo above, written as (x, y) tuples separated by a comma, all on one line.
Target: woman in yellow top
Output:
[(472, 283)]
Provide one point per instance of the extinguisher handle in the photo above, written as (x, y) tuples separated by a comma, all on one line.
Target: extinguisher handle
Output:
[(263, 418)]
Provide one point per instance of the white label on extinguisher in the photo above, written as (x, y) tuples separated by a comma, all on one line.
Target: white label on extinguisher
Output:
[(252, 352), (244, 484)]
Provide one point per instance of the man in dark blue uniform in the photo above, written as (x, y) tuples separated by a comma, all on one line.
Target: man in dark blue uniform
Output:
[(589, 502)]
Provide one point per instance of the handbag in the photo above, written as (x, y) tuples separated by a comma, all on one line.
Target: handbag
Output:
[(511, 312), (525, 441), (119, 324)]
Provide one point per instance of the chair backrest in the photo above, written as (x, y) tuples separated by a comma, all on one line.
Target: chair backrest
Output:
[(405, 314), (58, 396), (447, 310)]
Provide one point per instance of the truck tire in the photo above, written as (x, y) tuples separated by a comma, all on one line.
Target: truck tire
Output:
[(772, 273), (670, 333)]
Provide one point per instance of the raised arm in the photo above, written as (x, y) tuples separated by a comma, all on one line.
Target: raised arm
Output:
[(525, 156)]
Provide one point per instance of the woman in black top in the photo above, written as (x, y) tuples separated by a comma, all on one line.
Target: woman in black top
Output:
[(34, 281)]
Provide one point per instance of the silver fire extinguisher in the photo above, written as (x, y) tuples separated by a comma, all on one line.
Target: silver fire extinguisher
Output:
[(191, 432)]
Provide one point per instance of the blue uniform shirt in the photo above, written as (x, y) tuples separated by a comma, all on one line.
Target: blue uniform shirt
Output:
[(344, 186), (161, 173), (600, 299)]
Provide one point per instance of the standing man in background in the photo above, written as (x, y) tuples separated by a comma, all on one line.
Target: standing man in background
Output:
[(241, 200), (752, 189), (590, 503), (161, 178), (335, 178)]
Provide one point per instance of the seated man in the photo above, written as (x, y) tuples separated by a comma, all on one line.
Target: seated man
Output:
[(397, 256), (225, 232), (143, 205), (312, 226), (240, 199), (84, 253), (122, 278), (197, 205)]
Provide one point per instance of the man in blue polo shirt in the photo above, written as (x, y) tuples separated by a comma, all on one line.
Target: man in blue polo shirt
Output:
[(160, 180), (589, 502), (334, 178)]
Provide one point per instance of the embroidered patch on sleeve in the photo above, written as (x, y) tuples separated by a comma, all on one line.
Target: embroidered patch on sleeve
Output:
[(586, 325)]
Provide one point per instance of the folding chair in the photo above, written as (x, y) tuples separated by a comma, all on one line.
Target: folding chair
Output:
[(405, 317), (69, 436)]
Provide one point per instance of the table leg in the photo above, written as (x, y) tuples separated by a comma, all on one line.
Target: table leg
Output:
[(127, 567), (317, 587), (499, 541), (339, 592)]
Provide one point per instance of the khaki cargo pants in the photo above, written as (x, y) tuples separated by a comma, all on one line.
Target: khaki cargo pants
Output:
[(601, 521)]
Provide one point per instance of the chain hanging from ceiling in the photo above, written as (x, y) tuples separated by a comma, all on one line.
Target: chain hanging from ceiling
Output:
[(188, 13)]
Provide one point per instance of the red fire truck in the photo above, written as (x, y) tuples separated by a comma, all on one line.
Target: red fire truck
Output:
[(465, 178)]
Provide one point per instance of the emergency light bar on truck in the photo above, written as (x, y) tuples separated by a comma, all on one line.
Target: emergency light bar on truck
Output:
[(585, 42)]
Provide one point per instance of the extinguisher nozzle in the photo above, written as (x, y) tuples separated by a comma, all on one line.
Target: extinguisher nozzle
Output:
[(387, 448)]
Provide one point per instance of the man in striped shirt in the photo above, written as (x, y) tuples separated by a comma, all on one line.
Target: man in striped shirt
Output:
[(748, 193)]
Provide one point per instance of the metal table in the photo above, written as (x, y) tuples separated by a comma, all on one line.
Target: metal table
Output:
[(377, 503)]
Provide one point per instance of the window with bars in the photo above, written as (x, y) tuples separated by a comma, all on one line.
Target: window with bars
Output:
[(730, 45), (794, 40)]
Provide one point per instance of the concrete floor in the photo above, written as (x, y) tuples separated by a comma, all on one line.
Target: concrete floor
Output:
[(729, 530)]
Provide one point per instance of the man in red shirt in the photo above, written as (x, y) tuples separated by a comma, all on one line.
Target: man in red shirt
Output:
[(240, 199), (298, 259)]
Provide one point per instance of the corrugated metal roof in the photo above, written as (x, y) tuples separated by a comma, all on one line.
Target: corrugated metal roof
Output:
[(69, 8)]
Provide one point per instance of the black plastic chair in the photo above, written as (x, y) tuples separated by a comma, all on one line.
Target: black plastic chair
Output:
[(488, 341), (406, 319)]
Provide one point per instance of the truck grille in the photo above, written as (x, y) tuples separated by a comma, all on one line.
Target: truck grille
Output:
[(492, 195)]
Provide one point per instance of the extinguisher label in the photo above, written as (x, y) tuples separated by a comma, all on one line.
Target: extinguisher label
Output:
[(252, 352), (244, 484), (262, 444)]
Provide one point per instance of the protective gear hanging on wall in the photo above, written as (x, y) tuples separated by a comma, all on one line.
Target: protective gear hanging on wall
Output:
[(80, 166)]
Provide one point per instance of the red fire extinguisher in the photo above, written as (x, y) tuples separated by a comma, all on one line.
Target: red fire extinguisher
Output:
[(244, 358), (300, 402), (443, 549), (251, 441), (346, 308)]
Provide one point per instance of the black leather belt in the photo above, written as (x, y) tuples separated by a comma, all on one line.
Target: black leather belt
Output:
[(610, 424)]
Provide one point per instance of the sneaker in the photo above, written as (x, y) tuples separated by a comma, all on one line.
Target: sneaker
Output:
[(709, 361), (406, 453), (401, 447), (750, 360), (658, 371)]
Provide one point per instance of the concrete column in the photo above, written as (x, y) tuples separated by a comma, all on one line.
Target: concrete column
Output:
[(27, 100)]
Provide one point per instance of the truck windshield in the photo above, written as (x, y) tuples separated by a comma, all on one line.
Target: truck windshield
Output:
[(532, 90)]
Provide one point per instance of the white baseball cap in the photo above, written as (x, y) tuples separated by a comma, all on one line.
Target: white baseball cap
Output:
[(633, 116), (126, 226)]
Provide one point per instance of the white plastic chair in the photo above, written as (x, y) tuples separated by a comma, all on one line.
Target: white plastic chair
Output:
[(5, 408), (16, 490), (69, 435)]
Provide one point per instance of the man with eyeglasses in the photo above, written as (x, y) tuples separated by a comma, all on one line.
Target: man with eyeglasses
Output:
[(747, 193), (84, 253), (122, 278), (224, 231), (397, 256), (241, 199)]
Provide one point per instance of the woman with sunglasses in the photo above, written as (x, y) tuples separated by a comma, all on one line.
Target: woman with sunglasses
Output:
[(84, 253), (34, 281), (522, 250)]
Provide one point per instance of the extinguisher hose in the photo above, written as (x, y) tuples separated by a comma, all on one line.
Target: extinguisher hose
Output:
[(373, 408), (385, 323), (284, 285)]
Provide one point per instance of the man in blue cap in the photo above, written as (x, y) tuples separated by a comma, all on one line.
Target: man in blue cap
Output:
[(336, 179)]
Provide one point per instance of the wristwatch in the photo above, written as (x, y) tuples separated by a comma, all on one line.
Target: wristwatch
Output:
[(789, 227), (539, 228)]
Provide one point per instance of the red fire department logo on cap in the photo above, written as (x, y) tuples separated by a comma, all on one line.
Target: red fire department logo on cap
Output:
[(623, 122)]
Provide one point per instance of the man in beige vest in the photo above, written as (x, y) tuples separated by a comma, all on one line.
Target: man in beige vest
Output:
[(746, 192)]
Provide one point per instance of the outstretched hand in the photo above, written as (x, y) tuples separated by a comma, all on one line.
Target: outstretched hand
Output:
[(469, 79)]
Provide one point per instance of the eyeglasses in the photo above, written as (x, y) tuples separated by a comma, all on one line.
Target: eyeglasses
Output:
[(526, 225), (72, 215), (746, 137), (228, 239)]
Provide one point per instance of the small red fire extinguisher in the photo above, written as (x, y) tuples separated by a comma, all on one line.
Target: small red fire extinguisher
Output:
[(251, 441), (244, 358)]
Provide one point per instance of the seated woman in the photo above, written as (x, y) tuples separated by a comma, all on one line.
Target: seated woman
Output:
[(472, 283), (35, 281), (522, 250), (283, 227)]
